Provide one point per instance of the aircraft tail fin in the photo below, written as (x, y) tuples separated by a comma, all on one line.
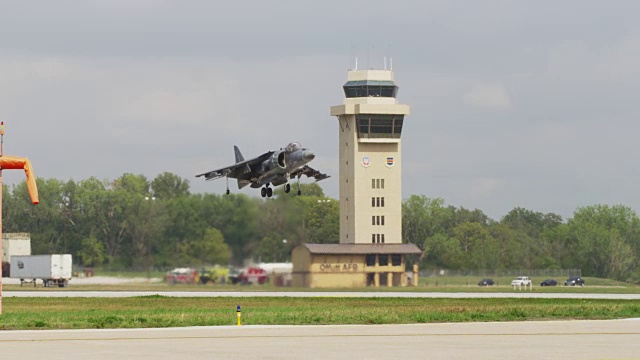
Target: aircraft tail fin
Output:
[(239, 157)]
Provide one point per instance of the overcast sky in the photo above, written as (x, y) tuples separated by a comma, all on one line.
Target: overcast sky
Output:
[(513, 103)]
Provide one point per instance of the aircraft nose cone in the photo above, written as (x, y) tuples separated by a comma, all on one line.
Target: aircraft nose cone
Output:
[(308, 155)]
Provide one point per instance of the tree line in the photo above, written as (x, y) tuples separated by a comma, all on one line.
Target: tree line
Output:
[(136, 223)]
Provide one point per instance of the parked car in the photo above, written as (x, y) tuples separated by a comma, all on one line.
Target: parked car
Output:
[(485, 282), (574, 280), (521, 281), (549, 282)]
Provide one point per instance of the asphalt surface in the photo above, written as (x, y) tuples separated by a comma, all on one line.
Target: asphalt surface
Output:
[(605, 339)]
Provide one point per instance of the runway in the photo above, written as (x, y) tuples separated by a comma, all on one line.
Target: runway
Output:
[(508, 340), (516, 294)]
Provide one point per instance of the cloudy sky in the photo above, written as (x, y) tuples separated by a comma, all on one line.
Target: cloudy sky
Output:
[(513, 103)]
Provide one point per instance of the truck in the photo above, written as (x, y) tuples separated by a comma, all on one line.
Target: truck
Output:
[(53, 269), (14, 244), (521, 281), (248, 276)]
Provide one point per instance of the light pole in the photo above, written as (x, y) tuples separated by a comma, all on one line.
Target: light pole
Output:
[(149, 200)]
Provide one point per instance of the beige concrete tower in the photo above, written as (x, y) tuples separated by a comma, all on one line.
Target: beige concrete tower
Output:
[(370, 125)]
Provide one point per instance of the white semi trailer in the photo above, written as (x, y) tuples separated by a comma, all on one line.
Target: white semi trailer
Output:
[(51, 269)]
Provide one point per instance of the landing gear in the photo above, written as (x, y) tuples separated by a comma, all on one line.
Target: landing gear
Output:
[(287, 188), (299, 191), (266, 191), (228, 185)]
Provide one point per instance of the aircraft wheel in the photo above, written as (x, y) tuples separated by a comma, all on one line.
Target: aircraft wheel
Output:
[(287, 188), (263, 192), (269, 192), (228, 191), (299, 192)]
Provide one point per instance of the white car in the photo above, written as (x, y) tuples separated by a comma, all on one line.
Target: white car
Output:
[(521, 281)]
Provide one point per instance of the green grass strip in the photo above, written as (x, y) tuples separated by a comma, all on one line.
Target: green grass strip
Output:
[(158, 311)]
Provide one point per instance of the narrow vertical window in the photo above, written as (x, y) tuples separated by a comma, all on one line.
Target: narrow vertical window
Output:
[(378, 238), (377, 220), (381, 183), (373, 202), (378, 202), (373, 220), (373, 238), (382, 202), (383, 238), (382, 220), (373, 183), (377, 183)]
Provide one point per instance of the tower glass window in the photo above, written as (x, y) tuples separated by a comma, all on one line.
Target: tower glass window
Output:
[(383, 259), (379, 125), (373, 88)]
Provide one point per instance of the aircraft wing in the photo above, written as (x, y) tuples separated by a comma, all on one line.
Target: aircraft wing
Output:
[(233, 171), (310, 172)]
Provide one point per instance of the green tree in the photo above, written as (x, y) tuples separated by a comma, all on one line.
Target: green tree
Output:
[(210, 248), (92, 252), (423, 218), (601, 237), (169, 186), (274, 248)]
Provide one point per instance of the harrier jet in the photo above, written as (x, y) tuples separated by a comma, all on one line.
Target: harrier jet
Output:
[(271, 168)]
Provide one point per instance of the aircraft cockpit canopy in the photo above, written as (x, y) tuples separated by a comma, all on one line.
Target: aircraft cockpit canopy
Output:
[(293, 147)]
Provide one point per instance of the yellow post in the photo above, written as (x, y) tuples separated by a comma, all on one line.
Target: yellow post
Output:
[(239, 313), (415, 275)]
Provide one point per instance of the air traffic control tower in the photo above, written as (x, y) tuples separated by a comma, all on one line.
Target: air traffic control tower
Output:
[(370, 252), (370, 124)]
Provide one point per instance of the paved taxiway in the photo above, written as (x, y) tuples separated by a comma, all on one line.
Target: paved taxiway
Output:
[(515, 294), (508, 340)]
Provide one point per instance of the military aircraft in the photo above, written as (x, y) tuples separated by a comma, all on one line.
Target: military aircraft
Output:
[(271, 168)]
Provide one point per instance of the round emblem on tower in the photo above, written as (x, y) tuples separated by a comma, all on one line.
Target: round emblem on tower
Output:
[(366, 161)]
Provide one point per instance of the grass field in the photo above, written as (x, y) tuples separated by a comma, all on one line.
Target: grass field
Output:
[(158, 311)]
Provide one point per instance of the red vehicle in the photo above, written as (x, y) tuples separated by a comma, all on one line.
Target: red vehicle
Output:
[(251, 275), (181, 276)]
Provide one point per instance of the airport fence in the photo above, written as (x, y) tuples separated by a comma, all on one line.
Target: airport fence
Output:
[(559, 273)]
